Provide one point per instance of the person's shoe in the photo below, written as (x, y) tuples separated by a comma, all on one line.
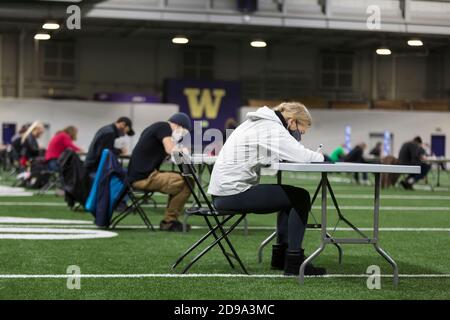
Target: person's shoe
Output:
[(174, 226), (293, 261), (278, 255), (406, 185)]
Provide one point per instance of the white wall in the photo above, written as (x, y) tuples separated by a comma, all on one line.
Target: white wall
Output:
[(87, 116), (328, 126)]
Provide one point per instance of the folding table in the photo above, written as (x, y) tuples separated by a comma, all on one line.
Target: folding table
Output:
[(325, 186), (439, 163)]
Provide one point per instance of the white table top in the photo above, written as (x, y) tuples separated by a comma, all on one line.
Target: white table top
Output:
[(344, 167)]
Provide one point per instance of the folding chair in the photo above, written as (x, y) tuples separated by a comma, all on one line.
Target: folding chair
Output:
[(119, 189), (53, 181), (211, 216), (135, 207)]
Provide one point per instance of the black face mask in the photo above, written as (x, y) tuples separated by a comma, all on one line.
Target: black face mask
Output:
[(296, 134)]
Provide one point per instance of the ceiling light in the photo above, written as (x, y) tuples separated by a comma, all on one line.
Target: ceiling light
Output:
[(50, 25), (41, 36), (258, 44), (180, 40), (415, 43), (384, 51)]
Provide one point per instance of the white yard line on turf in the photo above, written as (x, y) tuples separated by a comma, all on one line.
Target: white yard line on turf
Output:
[(204, 227), (201, 275), (22, 220), (370, 208)]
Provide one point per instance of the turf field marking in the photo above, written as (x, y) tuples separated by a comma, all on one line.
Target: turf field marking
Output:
[(36, 233), (21, 220), (6, 191), (202, 275), (369, 208), (240, 228)]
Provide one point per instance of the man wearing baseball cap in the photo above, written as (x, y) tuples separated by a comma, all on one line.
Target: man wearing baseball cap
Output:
[(156, 143), (104, 139)]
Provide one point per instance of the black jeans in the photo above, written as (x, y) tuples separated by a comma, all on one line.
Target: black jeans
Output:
[(292, 203), (425, 168)]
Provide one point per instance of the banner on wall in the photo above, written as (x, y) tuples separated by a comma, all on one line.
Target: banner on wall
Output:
[(211, 102)]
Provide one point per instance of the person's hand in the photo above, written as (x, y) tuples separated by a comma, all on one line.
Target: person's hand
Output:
[(123, 151)]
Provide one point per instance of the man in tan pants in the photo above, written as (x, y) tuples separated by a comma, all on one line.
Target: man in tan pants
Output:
[(170, 183), (155, 143)]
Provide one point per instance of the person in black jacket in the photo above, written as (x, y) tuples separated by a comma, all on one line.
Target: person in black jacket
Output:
[(356, 155), (412, 153), (376, 151), (104, 139), (29, 144)]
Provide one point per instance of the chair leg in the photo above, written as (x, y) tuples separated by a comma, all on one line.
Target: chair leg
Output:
[(220, 244), (245, 226), (200, 241), (224, 236), (145, 218), (115, 221), (196, 244)]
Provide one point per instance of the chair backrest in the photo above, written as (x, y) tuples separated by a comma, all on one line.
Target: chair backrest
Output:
[(112, 192), (187, 169)]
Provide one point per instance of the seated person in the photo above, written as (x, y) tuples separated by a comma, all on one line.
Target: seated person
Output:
[(61, 141), (29, 144), (104, 139), (412, 153), (376, 151), (267, 136), (156, 143), (356, 155), (338, 154)]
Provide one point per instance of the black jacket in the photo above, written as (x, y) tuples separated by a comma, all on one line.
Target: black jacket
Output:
[(356, 155), (75, 182), (411, 153), (30, 147), (103, 139)]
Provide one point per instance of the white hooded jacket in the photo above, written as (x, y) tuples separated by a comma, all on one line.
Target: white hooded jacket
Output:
[(258, 142)]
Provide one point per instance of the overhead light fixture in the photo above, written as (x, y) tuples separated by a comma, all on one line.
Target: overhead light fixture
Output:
[(258, 44), (180, 40), (384, 51), (41, 36), (415, 43), (50, 25)]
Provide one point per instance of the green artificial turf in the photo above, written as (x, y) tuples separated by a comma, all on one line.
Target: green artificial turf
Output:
[(136, 251)]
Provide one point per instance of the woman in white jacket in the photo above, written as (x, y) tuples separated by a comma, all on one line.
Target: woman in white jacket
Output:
[(268, 136)]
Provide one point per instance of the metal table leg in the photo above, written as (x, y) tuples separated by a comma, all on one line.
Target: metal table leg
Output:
[(264, 244), (438, 174), (323, 236)]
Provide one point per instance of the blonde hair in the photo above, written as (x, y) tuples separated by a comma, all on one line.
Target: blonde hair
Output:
[(35, 125), (296, 111)]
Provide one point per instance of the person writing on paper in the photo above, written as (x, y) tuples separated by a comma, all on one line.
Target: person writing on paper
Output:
[(155, 144), (104, 139), (268, 136)]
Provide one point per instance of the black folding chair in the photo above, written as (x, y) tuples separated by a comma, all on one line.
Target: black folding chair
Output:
[(53, 181), (135, 207), (212, 217)]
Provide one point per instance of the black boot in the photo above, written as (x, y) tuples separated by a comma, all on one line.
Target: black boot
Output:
[(293, 260), (278, 253)]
